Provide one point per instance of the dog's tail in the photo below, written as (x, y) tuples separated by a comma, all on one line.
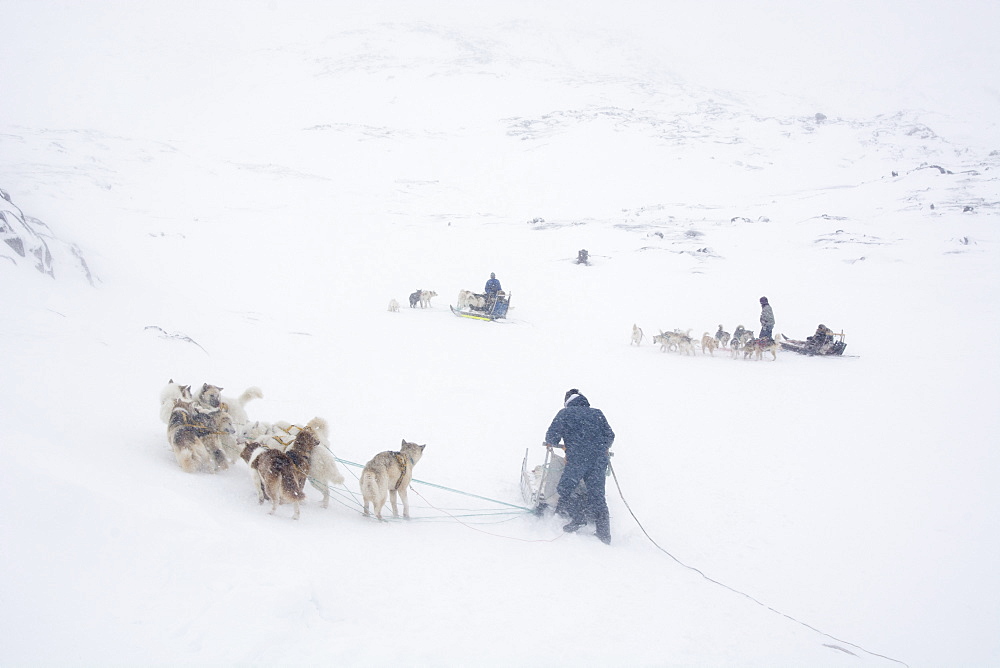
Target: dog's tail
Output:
[(369, 484), (186, 460), (248, 394), (320, 426)]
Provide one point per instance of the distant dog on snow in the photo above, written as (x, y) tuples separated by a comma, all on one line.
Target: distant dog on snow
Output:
[(685, 344), (211, 396), (667, 341), (722, 337), (471, 300), (281, 476), (425, 298), (415, 298), (389, 473), (741, 337), (393, 306), (757, 348), (636, 334), (708, 343)]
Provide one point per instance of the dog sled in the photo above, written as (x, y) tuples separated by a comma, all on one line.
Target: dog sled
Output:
[(482, 307), (538, 486), (825, 342)]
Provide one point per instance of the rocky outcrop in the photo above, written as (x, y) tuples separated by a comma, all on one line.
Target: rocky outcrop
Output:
[(30, 242)]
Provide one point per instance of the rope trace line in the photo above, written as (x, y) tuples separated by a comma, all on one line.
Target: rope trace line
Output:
[(468, 512), (495, 535), (737, 591), (431, 484)]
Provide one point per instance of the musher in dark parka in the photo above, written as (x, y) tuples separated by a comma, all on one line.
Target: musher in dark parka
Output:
[(491, 290), (587, 437), (766, 319)]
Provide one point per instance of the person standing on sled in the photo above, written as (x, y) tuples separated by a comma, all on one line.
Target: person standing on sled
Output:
[(587, 437), (766, 319)]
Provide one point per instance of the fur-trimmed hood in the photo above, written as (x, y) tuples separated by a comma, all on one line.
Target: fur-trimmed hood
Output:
[(576, 399)]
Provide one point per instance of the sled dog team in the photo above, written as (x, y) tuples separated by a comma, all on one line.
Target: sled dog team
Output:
[(209, 432), (741, 342)]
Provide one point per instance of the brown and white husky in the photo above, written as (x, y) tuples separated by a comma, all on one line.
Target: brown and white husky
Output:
[(281, 476)]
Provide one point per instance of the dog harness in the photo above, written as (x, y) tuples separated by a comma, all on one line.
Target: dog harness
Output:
[(258, 451), (402, 460)]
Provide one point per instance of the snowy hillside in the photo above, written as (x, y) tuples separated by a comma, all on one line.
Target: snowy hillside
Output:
[(232, 194)]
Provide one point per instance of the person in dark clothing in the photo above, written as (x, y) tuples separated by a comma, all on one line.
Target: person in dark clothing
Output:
[(491, 290), (821, 340), (587, 437), (492, 286), (766, 319)]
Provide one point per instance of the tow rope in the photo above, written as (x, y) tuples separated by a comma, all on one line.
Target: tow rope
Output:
[(741, 593)]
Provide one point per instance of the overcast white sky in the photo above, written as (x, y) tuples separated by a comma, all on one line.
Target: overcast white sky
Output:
[(848, 57)]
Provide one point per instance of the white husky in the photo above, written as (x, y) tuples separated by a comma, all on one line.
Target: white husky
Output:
[(425, 298), (387, 474), (170, 392), (636, 334), (468, 299)]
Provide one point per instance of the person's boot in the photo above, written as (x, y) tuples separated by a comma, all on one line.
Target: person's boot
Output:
[(604, 528), (561, 509)]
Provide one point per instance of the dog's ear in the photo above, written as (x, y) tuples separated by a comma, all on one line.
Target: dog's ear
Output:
[(422, 447), (404, 442)]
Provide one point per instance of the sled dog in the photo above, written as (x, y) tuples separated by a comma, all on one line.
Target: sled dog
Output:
[(389, 473), (667, 341), (185, 437), (722, 337), (323, 470), (471, 300), (393, 306), (211, 397), (636, 334), (708, 343), (741, 337), (168, 394), (281, 476), (757, 348), (425, 298), (415, 298), (685, 344), (219, 435)]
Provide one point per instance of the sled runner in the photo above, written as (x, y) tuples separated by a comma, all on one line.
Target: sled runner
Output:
[(824, 342), (484, 308)]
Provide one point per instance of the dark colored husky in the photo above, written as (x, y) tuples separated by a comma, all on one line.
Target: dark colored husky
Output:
[(281, 476)]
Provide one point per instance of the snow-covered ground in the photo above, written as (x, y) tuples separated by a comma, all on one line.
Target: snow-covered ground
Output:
[(232, 194)]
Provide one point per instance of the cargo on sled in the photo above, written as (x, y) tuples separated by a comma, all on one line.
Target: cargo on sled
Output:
[(824, 342), (482, 306)]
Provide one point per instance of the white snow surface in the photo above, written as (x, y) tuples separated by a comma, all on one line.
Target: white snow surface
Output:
[(251, 183)]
